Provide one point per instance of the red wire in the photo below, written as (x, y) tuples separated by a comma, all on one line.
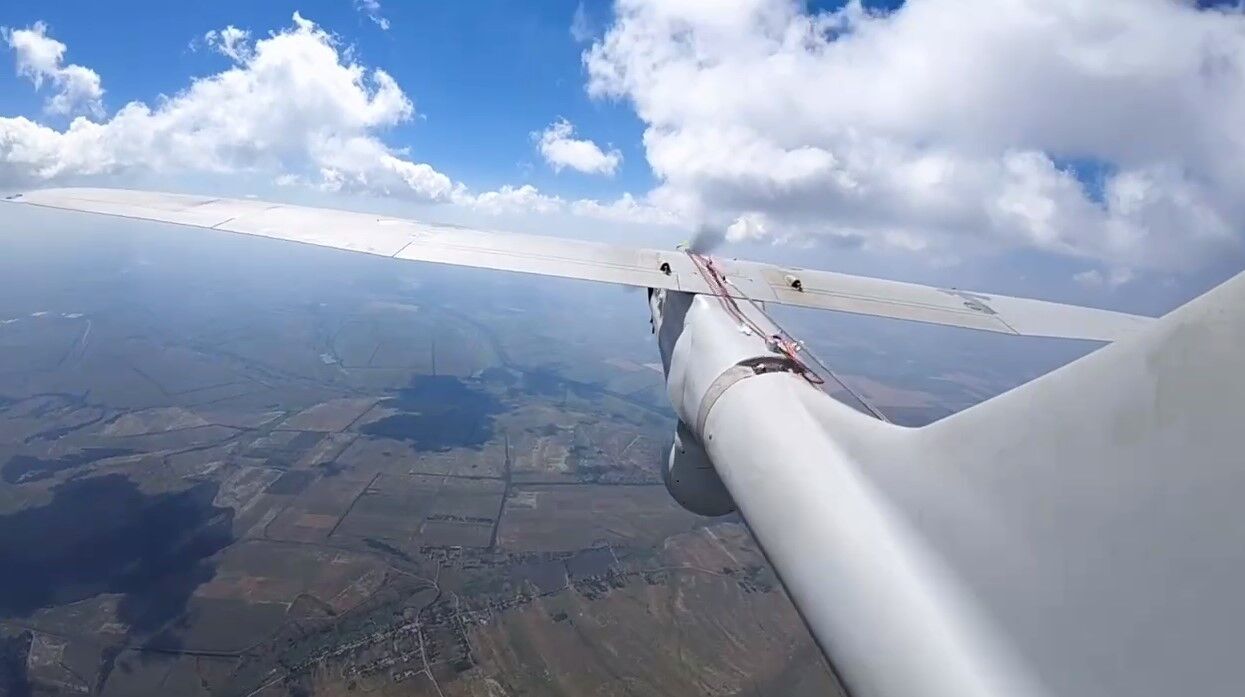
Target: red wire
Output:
[(777, 342)]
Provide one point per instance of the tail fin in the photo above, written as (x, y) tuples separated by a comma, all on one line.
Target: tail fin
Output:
[(1098, 513)]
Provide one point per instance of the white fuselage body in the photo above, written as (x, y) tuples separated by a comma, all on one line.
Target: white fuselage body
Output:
[(890, 620)]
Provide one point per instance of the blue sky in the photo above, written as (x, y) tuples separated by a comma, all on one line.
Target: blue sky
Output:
[(483, 75), (1050, 147)]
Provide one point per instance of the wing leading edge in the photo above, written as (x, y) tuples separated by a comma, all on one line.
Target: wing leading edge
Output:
[(550, 256)]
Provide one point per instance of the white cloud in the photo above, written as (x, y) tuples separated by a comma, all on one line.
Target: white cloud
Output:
[(291, 106), (944, 127), (581, 26), (528, 199), (625, 209), (1090, 279), (749, 226), (40, 57), (561, 149), (371, 8), (231, 41), (512, 199), (1095, 278)]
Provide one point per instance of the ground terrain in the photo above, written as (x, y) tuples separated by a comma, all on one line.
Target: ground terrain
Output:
[(239, 467)]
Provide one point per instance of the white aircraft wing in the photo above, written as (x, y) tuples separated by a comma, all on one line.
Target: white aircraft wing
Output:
[(550, 256)]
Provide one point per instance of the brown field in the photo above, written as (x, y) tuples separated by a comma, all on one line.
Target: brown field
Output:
[(375, 454), (644, 631), (312, 515), (554, 518), (451, 533), (411, 511), (329, 417)]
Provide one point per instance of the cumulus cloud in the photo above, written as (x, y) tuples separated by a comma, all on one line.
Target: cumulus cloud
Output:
[(40, 58), (626, 209), (371, 9), (943, 127), (560, 148), (749, 226), (512, 199), (291, 106)]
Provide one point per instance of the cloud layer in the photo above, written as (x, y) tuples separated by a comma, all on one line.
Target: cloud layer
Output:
[(945, 126), (947, 129)]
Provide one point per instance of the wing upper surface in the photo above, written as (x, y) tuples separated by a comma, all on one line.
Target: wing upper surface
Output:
[(400, 238)]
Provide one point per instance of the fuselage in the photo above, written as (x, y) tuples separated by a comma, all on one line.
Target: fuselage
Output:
[(889, 619)]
